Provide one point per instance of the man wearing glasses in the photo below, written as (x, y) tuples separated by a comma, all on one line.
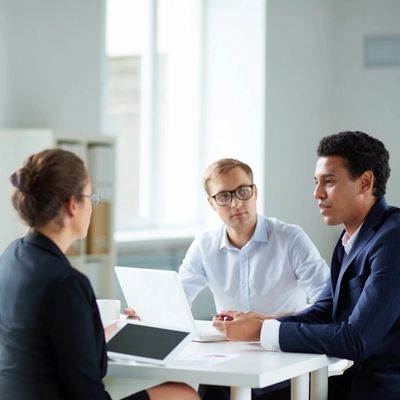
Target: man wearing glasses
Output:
[(252, 263)]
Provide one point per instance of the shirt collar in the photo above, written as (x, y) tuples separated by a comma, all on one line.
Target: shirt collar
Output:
[(348, 241), (260, 234)]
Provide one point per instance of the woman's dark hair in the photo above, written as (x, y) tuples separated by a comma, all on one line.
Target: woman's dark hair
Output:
[(44, 183), (361, 153)]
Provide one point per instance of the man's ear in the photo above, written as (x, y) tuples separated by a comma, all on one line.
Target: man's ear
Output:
[(210, 201), (255, 190), (366, 181)]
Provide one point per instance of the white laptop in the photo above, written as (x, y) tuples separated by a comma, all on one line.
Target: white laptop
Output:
[(147, 343), (157, 297)]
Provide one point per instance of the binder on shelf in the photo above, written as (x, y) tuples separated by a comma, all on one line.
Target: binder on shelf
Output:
[(98, 238), (94, 255)]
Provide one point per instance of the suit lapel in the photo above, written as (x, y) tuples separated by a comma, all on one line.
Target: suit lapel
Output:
[(367, 232)]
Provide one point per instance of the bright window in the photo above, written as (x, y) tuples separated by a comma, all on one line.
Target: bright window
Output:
[(186, 81), (154, 97)]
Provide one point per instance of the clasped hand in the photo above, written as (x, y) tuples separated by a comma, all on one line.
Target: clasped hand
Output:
[(239, 326)]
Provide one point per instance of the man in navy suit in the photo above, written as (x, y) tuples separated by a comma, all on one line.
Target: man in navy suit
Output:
[(357, 316)]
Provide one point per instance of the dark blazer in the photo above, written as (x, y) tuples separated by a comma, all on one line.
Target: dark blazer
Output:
[(357, 316), (51, 337)]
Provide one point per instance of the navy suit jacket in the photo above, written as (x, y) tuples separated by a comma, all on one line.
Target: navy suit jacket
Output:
[(51, 337), (357, 316)]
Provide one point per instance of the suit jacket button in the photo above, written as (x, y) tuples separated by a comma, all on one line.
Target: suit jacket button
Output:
[(357, 366)]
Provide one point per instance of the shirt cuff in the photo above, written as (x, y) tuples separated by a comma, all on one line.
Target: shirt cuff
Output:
[(270, 335)]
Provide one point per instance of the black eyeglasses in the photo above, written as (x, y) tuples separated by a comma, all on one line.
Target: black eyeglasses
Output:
[(242, 193), (94, 197)]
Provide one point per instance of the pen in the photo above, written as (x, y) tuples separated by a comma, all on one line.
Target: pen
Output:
[(222, 317)]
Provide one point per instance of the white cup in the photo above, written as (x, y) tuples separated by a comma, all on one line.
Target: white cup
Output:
[(109, 310)]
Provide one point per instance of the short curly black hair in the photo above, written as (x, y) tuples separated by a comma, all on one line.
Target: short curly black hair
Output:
[(362, 153)]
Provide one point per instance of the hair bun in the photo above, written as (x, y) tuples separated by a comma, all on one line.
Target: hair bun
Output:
[(24, 180)]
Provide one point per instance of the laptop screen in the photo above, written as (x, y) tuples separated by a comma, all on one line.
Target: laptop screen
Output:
[(156, 296)]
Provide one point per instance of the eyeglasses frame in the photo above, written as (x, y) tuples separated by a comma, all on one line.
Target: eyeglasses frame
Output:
[(95, 198), (233, 193)]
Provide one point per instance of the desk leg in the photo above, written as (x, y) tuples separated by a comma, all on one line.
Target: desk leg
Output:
[(319, 384), (240, 393), (299, 388)]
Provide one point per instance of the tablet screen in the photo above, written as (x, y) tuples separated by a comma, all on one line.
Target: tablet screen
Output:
[(146, 342)]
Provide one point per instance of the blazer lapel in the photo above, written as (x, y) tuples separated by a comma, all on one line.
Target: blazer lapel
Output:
[(367, 231)]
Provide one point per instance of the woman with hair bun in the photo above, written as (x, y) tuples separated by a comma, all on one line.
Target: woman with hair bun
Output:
[(52, 343)]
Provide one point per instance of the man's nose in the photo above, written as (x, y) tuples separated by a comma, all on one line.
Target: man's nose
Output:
[(235, 202), (319, 193)]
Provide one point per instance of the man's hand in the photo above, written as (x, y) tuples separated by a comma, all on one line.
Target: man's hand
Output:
[(238, 326), (269, 316), (263, 317)]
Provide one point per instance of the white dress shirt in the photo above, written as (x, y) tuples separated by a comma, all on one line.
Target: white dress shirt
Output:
[(279, 269), (269, 335)]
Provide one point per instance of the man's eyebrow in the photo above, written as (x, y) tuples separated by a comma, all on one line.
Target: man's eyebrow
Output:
[(325, 176)]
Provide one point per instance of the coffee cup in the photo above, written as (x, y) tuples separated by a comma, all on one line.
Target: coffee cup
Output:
[(109, 310)]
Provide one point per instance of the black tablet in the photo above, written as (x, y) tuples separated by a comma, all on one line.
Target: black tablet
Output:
[(147, 343)]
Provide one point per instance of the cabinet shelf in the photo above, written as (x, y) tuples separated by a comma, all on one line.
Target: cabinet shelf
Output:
[(95, 256)]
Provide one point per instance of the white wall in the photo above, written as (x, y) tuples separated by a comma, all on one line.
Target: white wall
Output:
[(317, 84), (54, 60), (3, 75), (298, 110), (367, 99)]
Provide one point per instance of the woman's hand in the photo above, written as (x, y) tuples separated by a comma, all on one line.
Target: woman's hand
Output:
[(131, 314), (110, 329)]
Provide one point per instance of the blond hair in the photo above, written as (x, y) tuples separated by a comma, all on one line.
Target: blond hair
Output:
[(222, 167)]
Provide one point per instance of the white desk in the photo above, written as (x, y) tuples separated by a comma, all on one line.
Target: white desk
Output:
[(253, 368)]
